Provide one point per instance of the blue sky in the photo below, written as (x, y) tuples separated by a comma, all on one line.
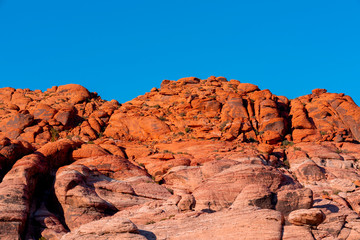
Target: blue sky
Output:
[(122, 49)]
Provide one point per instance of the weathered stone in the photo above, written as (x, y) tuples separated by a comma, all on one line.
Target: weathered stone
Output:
[(106, 228), (290, 200), (312, 217), (252, 223)]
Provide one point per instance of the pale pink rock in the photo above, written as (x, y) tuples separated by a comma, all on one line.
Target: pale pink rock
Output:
[(16, 192), (254, 195), (354, 200), (187, 202), (297, 232), (93, 188), (290, 200), (51, 226), (221, 190), (106, 228), (235, 224), (312, 217)]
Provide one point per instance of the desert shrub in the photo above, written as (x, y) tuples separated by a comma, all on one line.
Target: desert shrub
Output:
[(54, 134), (286, 143)]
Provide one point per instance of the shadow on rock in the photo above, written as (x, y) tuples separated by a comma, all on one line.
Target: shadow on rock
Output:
[(332, 208), (148, 235)]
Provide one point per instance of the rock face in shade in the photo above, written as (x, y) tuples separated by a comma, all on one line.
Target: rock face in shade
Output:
[(16, 193), (18, 186), (193, 159)]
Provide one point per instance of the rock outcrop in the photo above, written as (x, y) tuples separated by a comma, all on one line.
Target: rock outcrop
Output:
[(193, 159)]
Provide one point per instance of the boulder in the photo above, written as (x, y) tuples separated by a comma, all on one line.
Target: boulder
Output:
[(290, 200), (221, 190), (89, 150), (254, 195), (74, 92), (311, 217), (139, 128), (15, 123), (43, 112), (92, 188)]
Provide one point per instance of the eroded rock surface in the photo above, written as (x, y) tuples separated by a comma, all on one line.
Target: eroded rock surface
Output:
[(194, 159)]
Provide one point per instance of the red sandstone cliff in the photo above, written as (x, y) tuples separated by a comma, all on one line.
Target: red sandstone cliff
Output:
[(195, 159)]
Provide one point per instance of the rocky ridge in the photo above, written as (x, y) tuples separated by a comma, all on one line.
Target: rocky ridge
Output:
[(178, 162)]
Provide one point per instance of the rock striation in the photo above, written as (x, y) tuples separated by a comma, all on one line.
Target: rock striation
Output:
[(193, 159)]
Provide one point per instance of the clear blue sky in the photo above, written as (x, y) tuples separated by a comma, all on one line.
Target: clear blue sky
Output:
[(122, 49)]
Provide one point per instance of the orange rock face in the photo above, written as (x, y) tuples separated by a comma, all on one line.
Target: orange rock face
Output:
[(193, 159), (325, 116)]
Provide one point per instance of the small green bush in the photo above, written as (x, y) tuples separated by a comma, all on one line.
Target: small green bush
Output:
[(325, 193), (286, 163), (286, 143), (54, 133)]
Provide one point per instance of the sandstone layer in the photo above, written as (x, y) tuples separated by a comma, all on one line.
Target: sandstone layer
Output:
[(193, 159)]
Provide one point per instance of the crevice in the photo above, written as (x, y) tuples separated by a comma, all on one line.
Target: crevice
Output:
[(44, 194)]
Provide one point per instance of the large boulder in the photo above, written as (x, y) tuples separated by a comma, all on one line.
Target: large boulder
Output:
[(221, 190), (73, 92), (312, 217), (290, 200), (140, 128), (14, 123), (92, 188)]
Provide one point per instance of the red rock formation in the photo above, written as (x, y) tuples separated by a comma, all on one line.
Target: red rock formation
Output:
[(194, 159)]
